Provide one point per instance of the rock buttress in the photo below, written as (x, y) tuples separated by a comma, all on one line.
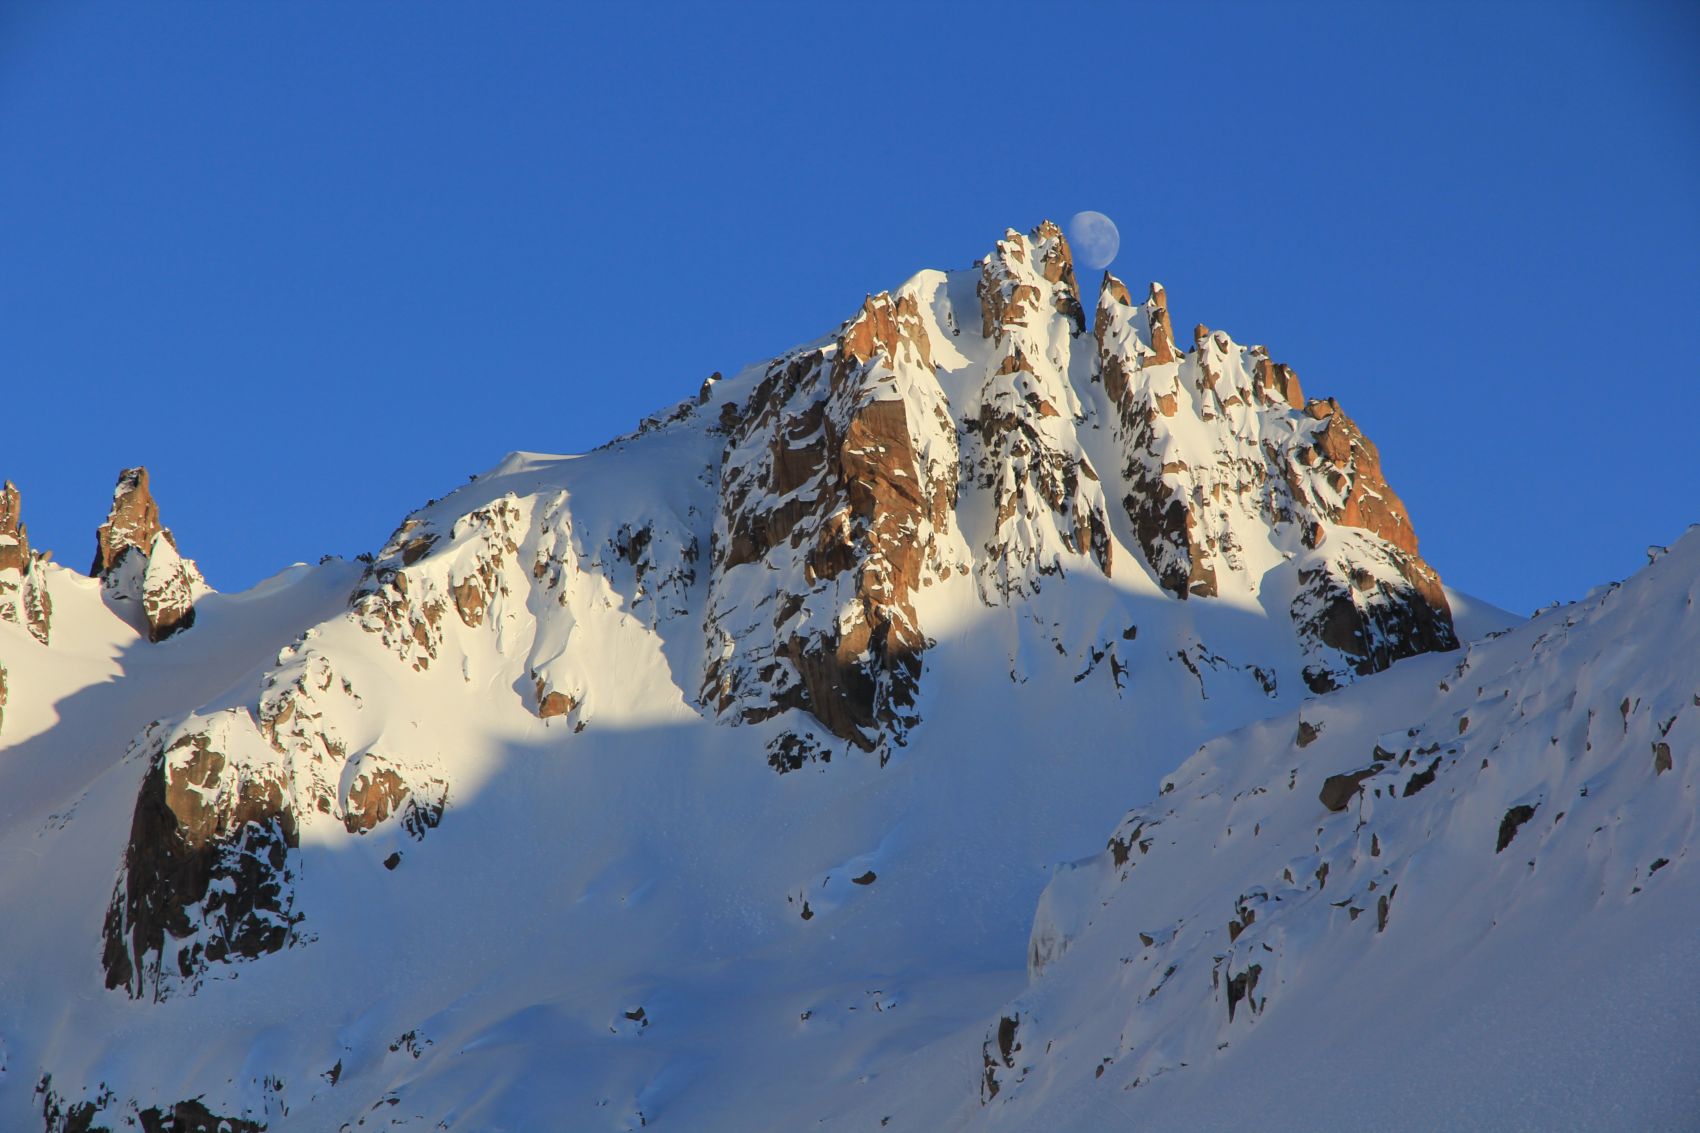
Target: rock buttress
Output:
[(1166, 498), (1280, 481), (1021, 446), (206, 875), (1366, 596), (838, 485)]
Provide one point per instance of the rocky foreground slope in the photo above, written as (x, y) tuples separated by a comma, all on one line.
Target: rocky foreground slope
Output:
[(710, 778)]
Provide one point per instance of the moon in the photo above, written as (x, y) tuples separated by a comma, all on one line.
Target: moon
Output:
[(1094, 238)]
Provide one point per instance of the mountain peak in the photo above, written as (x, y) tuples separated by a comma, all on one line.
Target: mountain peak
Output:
[(137, 562), (24, 597), (957, 571), (133, 521), (1157, 319)]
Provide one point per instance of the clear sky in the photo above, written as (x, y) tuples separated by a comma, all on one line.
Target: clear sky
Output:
[(314, 264)]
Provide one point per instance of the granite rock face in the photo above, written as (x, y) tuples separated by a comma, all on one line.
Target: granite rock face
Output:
[(1223, 456), (205, 876), (24, 597), (136, 559), (837, 491)]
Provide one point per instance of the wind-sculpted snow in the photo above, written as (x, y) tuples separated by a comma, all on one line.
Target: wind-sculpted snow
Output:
[(1541, 789)]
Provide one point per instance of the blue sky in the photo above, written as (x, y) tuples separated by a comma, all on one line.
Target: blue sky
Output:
[(313, 264)]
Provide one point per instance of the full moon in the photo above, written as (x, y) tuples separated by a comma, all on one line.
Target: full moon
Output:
[(1094, 238)]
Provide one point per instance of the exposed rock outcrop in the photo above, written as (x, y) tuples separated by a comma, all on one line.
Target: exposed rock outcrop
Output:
[(1339, 790), (391, 602), (143, 576), (846, 482), (1277, 477), (1225, 478), (206, 877), (193, 1116), (1021, 444), (1370, 600), (104, 1113), (836, 500), (1275, 381), (1134, 355), (1162, 331), (1361, 495), (24, 598), (132, 522)]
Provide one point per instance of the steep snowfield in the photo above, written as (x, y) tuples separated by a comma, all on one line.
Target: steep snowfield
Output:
[(711, 780), (1494, 931)]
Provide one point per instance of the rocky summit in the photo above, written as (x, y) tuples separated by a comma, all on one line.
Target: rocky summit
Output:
[(24, 596), (771, 767), (136, 559)]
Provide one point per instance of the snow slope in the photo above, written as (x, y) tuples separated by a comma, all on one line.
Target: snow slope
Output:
[(1493, 930)]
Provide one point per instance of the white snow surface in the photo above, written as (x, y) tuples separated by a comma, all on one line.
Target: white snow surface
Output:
[(1424, 959), (606, 929)]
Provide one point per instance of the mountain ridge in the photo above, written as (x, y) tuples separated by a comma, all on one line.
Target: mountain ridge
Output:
[(791, 696)]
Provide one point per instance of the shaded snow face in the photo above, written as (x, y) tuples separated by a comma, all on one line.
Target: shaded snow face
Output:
[(1345, 892), (967, 571)]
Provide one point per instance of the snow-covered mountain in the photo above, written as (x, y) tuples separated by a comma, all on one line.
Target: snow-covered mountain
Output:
[(712, 779), (1472, 872)]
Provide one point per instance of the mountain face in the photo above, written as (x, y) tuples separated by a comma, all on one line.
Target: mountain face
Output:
[(613, 782), (1506, 822), (865, 470)]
